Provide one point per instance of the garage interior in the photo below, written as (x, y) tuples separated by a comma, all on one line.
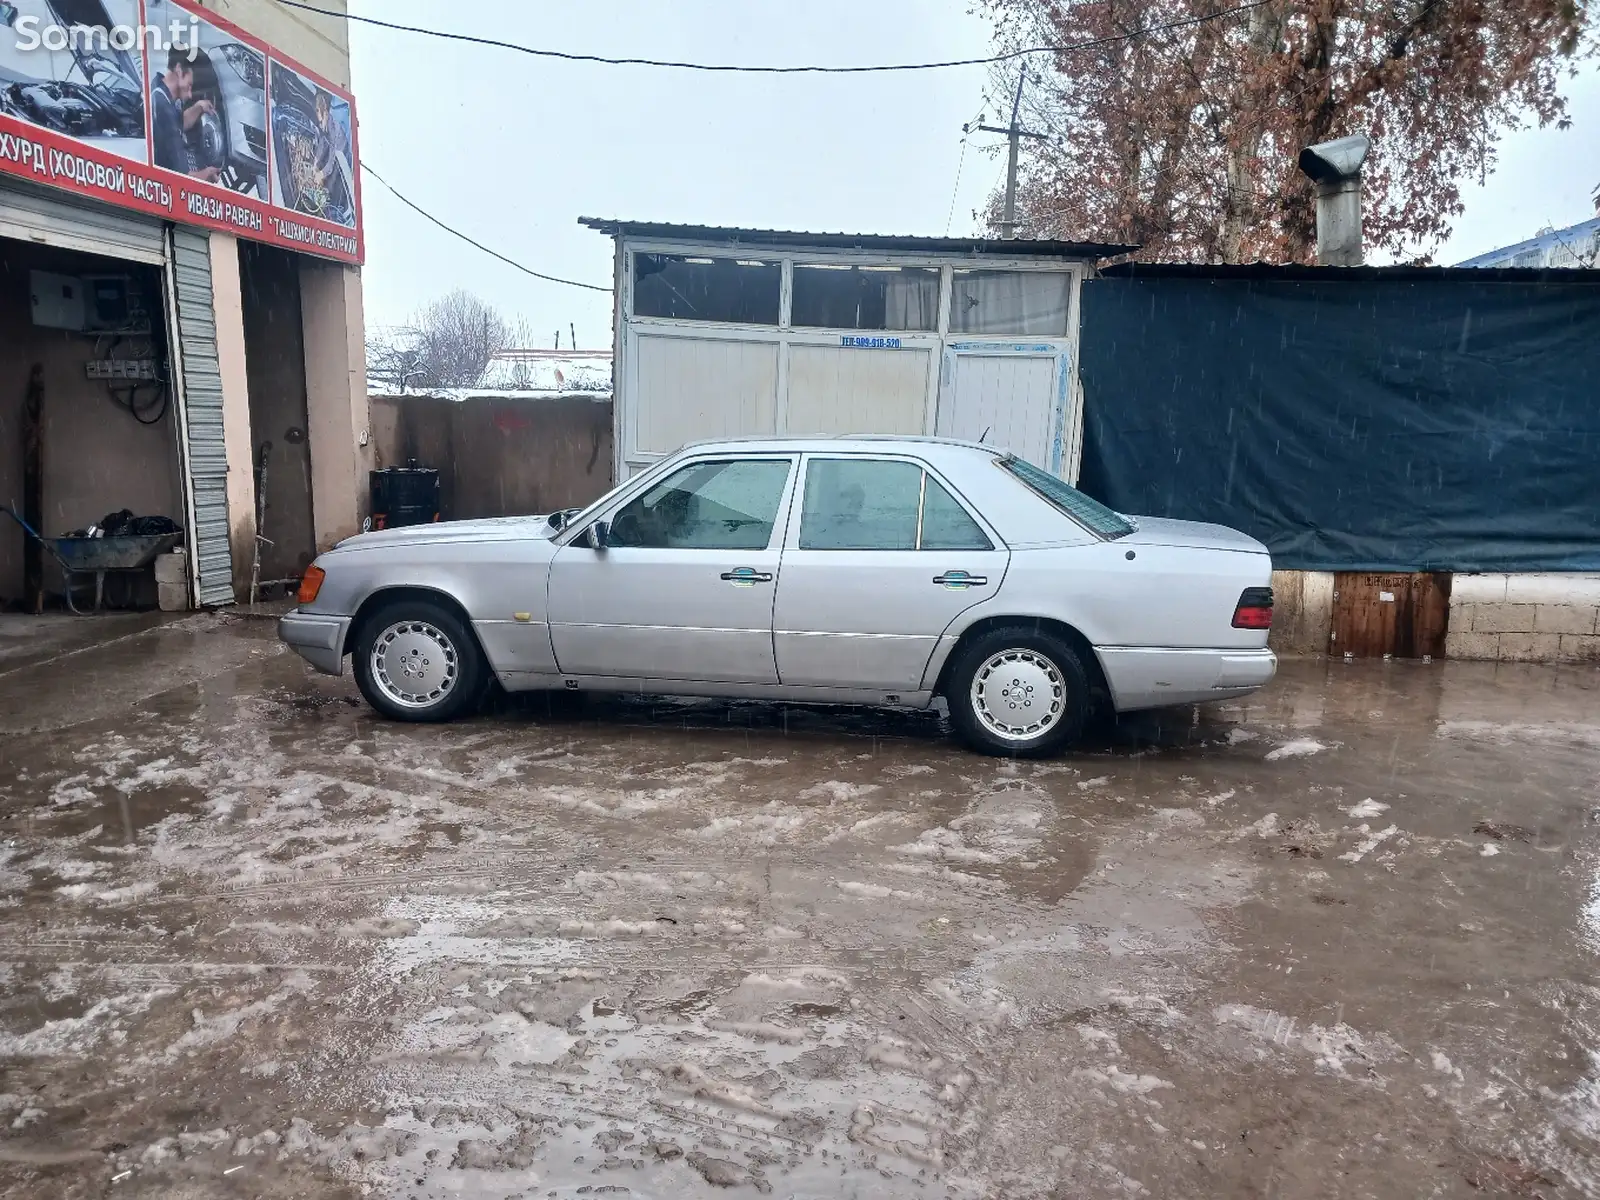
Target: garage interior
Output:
[(104, 444), (275, 365)]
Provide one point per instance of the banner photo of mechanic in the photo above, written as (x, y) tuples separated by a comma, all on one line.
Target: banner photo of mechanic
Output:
[(313, 159), (208, 103), (75, 68)]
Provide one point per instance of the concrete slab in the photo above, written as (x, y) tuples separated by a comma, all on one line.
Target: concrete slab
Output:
[(1339, 940)]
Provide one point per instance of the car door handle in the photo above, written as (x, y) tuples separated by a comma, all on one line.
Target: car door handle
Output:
[(960, 579), (746, 577)]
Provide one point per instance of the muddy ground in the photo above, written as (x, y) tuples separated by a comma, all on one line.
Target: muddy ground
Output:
[(1340, 940)]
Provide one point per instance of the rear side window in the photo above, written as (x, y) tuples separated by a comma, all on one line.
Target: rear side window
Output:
[(860, 504), (879, 504), (1089, 513)]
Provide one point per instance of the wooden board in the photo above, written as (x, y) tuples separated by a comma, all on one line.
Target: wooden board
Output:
[(1404, 615)]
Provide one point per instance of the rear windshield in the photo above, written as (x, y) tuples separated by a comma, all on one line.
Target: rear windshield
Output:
[(1090, 513)]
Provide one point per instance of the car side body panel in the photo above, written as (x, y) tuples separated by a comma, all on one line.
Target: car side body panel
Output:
[(1155, 605), (1158, 616), (499, 581)]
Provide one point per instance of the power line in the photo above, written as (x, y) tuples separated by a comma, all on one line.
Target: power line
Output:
[(450, 229), (734, 68), (955, 191)]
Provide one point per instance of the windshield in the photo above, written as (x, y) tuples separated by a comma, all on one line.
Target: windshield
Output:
[(1087, 512)]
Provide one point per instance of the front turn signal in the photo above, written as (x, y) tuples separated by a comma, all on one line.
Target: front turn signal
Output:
[(310, 585)]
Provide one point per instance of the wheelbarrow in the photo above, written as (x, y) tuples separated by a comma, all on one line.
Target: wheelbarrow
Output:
[(87, 561)]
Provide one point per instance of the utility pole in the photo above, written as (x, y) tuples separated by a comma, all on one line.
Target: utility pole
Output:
[(1015, 132)]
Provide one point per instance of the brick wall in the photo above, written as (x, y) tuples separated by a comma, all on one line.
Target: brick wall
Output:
[(1525, 618)]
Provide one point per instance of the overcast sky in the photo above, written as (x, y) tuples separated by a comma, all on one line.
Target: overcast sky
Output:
[(513, 149)]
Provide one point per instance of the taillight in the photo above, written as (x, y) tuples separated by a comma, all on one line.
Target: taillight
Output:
[(310, 585), (1254, 610)]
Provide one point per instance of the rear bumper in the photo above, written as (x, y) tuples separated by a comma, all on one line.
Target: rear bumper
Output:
[(318, 640), (1141, 677)]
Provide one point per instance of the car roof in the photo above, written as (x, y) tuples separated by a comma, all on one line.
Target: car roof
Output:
[(861, 443)]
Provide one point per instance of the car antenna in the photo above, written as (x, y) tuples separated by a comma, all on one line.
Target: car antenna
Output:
[(985, 436)]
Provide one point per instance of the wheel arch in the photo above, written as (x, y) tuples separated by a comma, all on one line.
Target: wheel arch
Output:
[(1098, 683), (389, 595)]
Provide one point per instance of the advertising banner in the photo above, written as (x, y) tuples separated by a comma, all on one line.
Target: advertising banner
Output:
[(160, 107)]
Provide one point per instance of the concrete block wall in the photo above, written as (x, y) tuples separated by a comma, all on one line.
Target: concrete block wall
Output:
[(1302, 616), (1525, 618)]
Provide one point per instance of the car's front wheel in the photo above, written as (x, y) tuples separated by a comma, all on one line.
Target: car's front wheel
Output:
[(417, 661), (1018, 692)]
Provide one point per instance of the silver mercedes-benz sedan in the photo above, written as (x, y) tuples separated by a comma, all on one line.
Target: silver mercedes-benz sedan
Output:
[(867, 570)]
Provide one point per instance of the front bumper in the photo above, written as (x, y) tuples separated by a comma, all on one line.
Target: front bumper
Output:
[(318, 640)]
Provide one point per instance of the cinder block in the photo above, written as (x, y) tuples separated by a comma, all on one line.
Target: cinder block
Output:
[(1564, 618), (1583, 590), (1477, 589), (1461, 616), (1530, 647), (172, 568), (1480, 646), (1580, 648), (173, 597), (1503, 618)]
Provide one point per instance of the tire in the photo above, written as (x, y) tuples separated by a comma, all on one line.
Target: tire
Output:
[(1050, 713), (416, 644)]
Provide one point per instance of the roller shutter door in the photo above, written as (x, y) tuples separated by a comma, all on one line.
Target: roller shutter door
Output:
[(197, 370), (49, 217)]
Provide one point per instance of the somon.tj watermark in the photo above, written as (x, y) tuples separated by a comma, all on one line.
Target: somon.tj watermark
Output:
[(34, 33)]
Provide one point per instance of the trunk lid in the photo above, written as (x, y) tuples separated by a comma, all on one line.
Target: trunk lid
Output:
[(1164, 531)]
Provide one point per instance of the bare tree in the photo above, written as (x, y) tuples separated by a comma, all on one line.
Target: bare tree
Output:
[(393, 359), (1177, 122), (447, 344)]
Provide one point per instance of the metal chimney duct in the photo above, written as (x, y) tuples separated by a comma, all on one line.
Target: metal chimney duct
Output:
[(1335, 167)]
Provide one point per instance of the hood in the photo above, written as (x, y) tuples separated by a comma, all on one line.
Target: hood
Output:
[(489, 529), (1163, 531)]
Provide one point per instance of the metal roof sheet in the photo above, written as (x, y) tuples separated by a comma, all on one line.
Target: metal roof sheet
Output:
[(1306, 273), (798, 239)]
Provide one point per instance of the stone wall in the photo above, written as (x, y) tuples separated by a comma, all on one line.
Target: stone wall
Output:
[(1302, 615), (1525, 618)]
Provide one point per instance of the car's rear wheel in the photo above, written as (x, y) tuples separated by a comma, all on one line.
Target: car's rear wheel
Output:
[(1018, 692), (417, 661)]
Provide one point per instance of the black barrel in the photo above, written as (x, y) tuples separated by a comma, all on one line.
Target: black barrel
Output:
[(407, 495)]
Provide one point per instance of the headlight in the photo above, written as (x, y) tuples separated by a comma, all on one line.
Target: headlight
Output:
[(246, 63)]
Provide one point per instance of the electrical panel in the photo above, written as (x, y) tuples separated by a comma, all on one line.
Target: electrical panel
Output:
[(99, 304), (58, 300), (114, 304)]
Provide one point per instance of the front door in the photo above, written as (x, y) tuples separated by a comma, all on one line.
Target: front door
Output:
[(684, 587), (1009, 395), (884, 557)]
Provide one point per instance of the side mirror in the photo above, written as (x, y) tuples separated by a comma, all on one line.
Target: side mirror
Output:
[(597, 535), (557, 521)]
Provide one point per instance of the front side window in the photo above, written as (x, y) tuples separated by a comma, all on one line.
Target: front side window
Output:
[(727, 505), (879, 504), (733, 290), (1106, 522)]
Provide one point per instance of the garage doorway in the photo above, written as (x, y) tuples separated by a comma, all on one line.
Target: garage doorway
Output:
[(275, 366), (83, 370)]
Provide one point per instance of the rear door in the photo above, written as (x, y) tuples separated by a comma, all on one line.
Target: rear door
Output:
[(882, 558)]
